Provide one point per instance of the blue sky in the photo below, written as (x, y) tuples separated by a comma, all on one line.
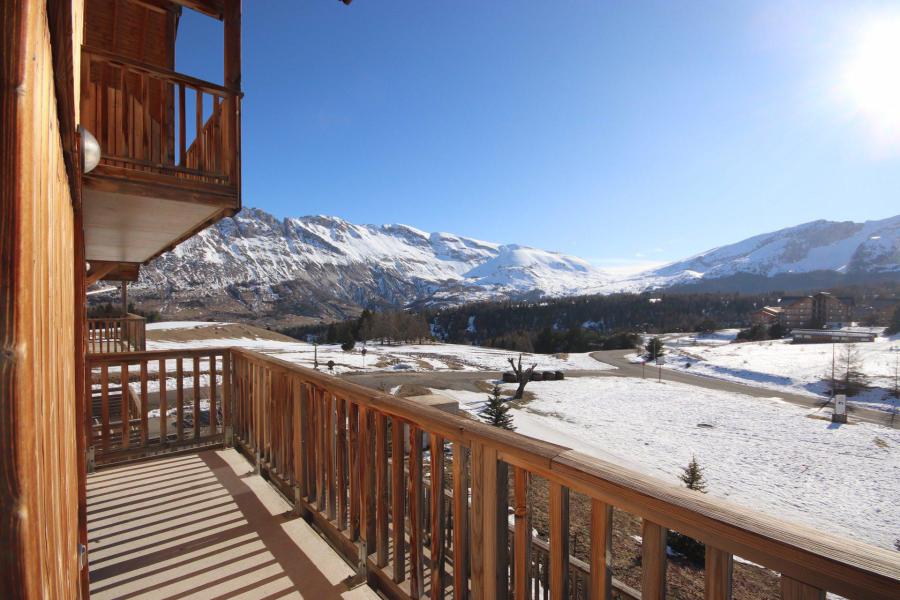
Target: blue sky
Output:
[(622, 132)]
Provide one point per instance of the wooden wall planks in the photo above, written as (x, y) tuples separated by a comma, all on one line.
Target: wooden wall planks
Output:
[(39, 480)]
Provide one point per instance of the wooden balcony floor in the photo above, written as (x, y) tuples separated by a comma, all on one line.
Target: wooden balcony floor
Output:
[(203, 526)]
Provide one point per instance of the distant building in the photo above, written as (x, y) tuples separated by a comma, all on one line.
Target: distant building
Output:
[(816, 311), (830, 336)]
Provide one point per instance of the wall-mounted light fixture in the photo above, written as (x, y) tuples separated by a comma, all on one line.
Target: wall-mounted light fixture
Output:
[(90, 150)]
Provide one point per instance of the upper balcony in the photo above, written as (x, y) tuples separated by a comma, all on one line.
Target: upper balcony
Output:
[(169, 142)]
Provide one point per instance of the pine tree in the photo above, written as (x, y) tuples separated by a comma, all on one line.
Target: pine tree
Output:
[(691, 549), (654, 348), (496, 412), (692, 476)]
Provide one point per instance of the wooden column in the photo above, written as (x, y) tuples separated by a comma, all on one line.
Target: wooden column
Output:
[(232, 26), (124, 298)]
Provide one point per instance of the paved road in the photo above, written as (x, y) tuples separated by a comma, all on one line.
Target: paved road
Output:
[(629, 369)]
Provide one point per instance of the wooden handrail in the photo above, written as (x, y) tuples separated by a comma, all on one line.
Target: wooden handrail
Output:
[(161, 72), (270, 392)]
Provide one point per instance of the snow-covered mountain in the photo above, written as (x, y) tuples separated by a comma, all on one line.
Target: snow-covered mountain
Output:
[(841, 246), (322, 266), (286, 271)]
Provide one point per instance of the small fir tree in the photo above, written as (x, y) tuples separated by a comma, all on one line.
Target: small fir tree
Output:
[(654, 348), (692, 476), (691, 549), (496, 412)]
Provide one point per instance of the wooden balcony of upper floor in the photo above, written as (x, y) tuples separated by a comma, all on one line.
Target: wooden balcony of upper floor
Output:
[(417, 501), (117, 333), (169, 143)]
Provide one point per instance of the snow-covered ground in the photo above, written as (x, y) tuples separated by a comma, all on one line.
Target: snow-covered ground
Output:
[(170, 325), (781, 365), (407, 357), (763, 453)]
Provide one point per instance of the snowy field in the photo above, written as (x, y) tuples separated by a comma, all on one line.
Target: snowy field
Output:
[(407, 357), (763, 453), (781, 365)]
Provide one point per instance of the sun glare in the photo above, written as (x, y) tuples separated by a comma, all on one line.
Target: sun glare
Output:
[(870, 79)]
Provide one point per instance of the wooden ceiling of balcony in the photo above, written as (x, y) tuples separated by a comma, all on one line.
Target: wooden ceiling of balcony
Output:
[(142, 30), (133, 229)]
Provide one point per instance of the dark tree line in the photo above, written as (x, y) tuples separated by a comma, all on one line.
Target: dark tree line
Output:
[(380, 327)]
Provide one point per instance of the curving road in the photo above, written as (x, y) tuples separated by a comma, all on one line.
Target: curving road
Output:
[(469, 380)]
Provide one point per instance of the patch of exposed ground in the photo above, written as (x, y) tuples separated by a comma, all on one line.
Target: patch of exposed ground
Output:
[(218, 331)]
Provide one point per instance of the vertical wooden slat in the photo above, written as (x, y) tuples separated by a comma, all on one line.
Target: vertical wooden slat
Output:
[(145, 434), (437, 517), (480, 579), (163, 403), (416, 558), (297, 439), (398, 515), (328, 407), (559, 541), (719, 568), (791, 589), (227, 386), (341, 461), (196, 398), (104, 404), (126, 408), (182, 129), (213, 417), (653, 561), (382, 541), (353, 425), (601, 550), (198, 135), (179, 397), (522, 554), (367, 463), (460, 522)]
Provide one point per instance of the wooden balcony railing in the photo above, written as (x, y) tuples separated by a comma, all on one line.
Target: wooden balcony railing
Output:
[(152, 120), (420, 499), (117, 334), (146, 403), (356, 461)]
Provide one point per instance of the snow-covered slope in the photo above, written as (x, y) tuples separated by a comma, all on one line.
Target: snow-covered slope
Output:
[(281, 271), (844, 247)]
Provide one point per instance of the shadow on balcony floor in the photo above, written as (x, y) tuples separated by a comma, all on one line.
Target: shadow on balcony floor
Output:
[(202, 526)]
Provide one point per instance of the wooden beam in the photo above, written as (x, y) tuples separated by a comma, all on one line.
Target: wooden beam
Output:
[(210, 8), (98, 270)]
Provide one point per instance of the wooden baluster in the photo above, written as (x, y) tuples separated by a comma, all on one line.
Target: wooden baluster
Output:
[(145, 433), (416, 567), (489, 524), (653, 561), (791, 589), (308, 407), (216, 137), (182, 130), (398, 515), (198, 136), (298, 415), (719, 568), (559, 540), (328, 405), (196, 398), (381, 491), (341, 459), (353, 424), (179, 398), (213, 417), (601, 550), (460, 522), (104, 404), (227, 389), (126, 408), (321, 484), (169, 126), (437, 517), (163, 403), (522, 554)]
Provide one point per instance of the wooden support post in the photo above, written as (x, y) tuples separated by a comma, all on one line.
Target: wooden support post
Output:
[(437, 517), (653, 561), (601, 550), (559, 541), (381, 491), (719, 567)]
